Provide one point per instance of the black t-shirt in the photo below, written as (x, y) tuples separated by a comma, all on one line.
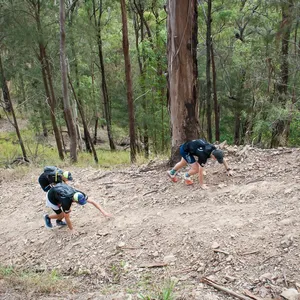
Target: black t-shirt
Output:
[(44, 182), (64, 203), (201, 149)]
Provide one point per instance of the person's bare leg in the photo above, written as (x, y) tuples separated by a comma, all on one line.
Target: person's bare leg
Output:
[(57, 217), (180, 164), (194, 169)]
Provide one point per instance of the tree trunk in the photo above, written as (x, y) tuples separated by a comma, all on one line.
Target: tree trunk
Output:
[(237, 126), (66, 101), (208, 79), (94, 101), (106, 101), (159, 66), (182, 73), (87, 133), (238, 109), (75, 63), (141, 63), (5, 91), (11, 110), (128, 83), (216, 104), (47, 79), (51, 102), (278, 136), (294, 97)]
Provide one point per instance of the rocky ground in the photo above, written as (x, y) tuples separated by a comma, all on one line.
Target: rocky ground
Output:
[(242, 233)]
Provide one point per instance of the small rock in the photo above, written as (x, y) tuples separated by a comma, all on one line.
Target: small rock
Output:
[(290, 294), (169, 258), (120, 244), (265, 276), (215, 245), (155, 254)]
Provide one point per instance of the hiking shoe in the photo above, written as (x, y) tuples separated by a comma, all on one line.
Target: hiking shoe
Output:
[(60, 223), (187, 180), (47, 221), (170, 175)]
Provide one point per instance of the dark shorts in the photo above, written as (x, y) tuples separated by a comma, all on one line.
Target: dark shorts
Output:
[(57, 211), (187, 156)]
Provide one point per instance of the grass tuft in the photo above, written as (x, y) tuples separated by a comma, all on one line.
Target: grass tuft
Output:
[(30, 281)]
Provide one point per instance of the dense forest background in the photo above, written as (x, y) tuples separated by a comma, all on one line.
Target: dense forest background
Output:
[(63, 66)]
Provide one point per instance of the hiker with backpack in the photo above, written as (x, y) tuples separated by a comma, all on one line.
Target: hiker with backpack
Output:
[(53, 175), (203, 150), (60, 198)]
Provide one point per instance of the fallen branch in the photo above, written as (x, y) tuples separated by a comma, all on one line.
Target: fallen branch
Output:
[(187, 270), (249, 294), (269, 258), (154, 265), (255, 180), (223, 289), (249, 253), (150, 192), (221, 251)]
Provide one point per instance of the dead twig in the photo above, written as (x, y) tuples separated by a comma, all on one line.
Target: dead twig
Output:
[(150, 192), (187, 270), (285, 280), (249, 294), (154, 265), (101, 176), (223, 289), (221, 251), (268, 258), (249, 253), (255, 180)]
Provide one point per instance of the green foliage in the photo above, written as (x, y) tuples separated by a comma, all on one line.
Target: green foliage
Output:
[(294, 133), (247, 40)]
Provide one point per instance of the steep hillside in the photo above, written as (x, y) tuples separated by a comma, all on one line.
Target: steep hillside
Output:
[(242, 233)]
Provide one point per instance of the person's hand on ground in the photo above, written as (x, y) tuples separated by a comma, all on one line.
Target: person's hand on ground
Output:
[(108, 215), (73, 232), (230, 173)]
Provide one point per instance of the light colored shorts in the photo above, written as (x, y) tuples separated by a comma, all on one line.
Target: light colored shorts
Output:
[(49, 204)]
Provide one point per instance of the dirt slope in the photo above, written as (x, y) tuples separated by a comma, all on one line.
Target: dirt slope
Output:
[(243, 232)]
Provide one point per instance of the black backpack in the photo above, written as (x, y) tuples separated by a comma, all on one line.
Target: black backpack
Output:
[(53, 174), (64, 191)]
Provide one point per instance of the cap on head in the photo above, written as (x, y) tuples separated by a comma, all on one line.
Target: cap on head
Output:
[(219, 155), (67, 175), (79, 198)]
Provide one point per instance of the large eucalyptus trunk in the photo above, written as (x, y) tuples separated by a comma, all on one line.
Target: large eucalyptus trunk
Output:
[(182, 73)]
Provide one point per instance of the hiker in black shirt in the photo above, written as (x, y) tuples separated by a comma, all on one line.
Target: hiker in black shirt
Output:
[(60, 198), (203, 150), (47, 180)]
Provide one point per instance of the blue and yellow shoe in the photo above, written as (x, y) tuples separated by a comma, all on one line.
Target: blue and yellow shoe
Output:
[(48, 223)]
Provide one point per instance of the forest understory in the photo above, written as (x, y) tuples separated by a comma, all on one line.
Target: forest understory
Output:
[(242, 233)]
